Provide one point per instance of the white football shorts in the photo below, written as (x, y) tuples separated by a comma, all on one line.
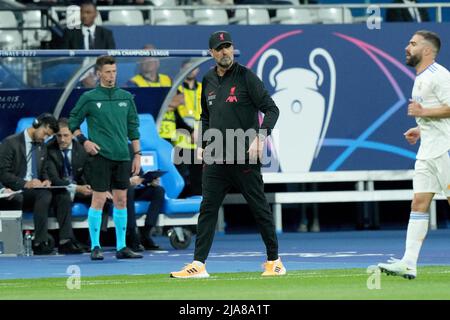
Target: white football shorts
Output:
[(432, 175)]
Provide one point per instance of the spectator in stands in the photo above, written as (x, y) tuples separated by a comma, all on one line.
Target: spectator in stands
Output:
[(149, 76), (410, 14), (23, 159), (66, 167), (142, 190), (189, 112), (89, 36), (148, 73)]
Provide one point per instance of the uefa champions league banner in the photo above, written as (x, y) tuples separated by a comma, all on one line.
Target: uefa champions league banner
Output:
[(342, 90)]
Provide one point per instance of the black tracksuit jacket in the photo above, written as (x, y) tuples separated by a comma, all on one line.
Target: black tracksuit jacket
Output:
[(233, 102)]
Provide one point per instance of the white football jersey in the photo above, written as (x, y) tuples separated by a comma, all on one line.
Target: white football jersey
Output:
[(432, 90)]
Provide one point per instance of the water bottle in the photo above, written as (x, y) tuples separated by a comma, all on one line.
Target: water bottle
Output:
[(27, 244)]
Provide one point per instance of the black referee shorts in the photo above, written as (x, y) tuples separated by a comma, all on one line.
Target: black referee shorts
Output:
[(105, 175)]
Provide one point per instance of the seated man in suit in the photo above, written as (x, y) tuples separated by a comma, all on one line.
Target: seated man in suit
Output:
[(8, 200), (407, 14), (141, 190), (89, 36), (23, 167), (66, 163)]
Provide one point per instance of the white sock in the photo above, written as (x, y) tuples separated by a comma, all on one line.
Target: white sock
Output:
[(417, 231)]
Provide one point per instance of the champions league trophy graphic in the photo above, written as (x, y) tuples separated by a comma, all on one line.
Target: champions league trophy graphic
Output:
[(304, 117)]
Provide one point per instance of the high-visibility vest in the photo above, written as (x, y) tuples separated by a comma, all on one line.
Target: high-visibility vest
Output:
[(168, 127), (163, 81), (190, 111)]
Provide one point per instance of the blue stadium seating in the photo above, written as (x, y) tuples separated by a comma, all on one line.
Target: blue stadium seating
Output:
[(172, 181), (24, 123), (161, 152)]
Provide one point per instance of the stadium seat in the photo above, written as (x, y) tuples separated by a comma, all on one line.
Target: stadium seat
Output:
[(33, 38), (170, 17), (24, 123), (125, 18), (210, 16), (255, 16), (164, 3), (7, 19), (334, 15), (172, 181), (294, 16), (80, 210), (9, 39)]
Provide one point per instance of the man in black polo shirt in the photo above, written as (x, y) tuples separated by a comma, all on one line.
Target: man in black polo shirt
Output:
[(232, 97)]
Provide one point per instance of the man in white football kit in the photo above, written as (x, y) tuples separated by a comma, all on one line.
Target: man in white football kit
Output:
[(430, 104)]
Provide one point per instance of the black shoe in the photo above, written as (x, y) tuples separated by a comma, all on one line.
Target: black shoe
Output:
[(126, 253), (134, 240), (97, 254), (43, 248), (69, 248), (149, 244), (82, 246), (137, 247)]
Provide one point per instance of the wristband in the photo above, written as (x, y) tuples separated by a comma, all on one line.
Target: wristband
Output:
[(81, 138), (139, 152)]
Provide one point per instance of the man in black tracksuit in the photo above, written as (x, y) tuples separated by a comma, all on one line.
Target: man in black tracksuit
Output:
[(232, 142)]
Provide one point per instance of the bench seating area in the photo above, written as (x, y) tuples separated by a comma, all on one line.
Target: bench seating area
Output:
[(364, 191), (157, 154)]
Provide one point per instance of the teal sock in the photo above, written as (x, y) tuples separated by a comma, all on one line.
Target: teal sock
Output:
[(95, 223), (120, 221)]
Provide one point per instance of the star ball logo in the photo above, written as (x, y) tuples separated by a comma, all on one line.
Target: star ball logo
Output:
[(73, 20)]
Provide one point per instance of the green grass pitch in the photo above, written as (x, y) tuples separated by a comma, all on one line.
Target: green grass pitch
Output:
[(431, 283)]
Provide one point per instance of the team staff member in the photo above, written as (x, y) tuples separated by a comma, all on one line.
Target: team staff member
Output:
[(185, 144), (23, 158), (112, 119), (231, 99)]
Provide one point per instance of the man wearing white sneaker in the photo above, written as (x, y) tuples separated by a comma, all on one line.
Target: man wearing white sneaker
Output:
[(232, 97), (430, 105)]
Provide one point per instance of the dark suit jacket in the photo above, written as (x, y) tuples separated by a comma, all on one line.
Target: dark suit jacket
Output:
[(55, 164), (13, 161), (73, 39), (400, 14)]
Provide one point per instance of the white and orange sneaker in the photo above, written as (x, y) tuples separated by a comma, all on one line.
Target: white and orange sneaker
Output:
[(195, 269), (274, 268)]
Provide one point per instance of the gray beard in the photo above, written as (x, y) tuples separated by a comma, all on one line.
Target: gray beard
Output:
[(225, 65)]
